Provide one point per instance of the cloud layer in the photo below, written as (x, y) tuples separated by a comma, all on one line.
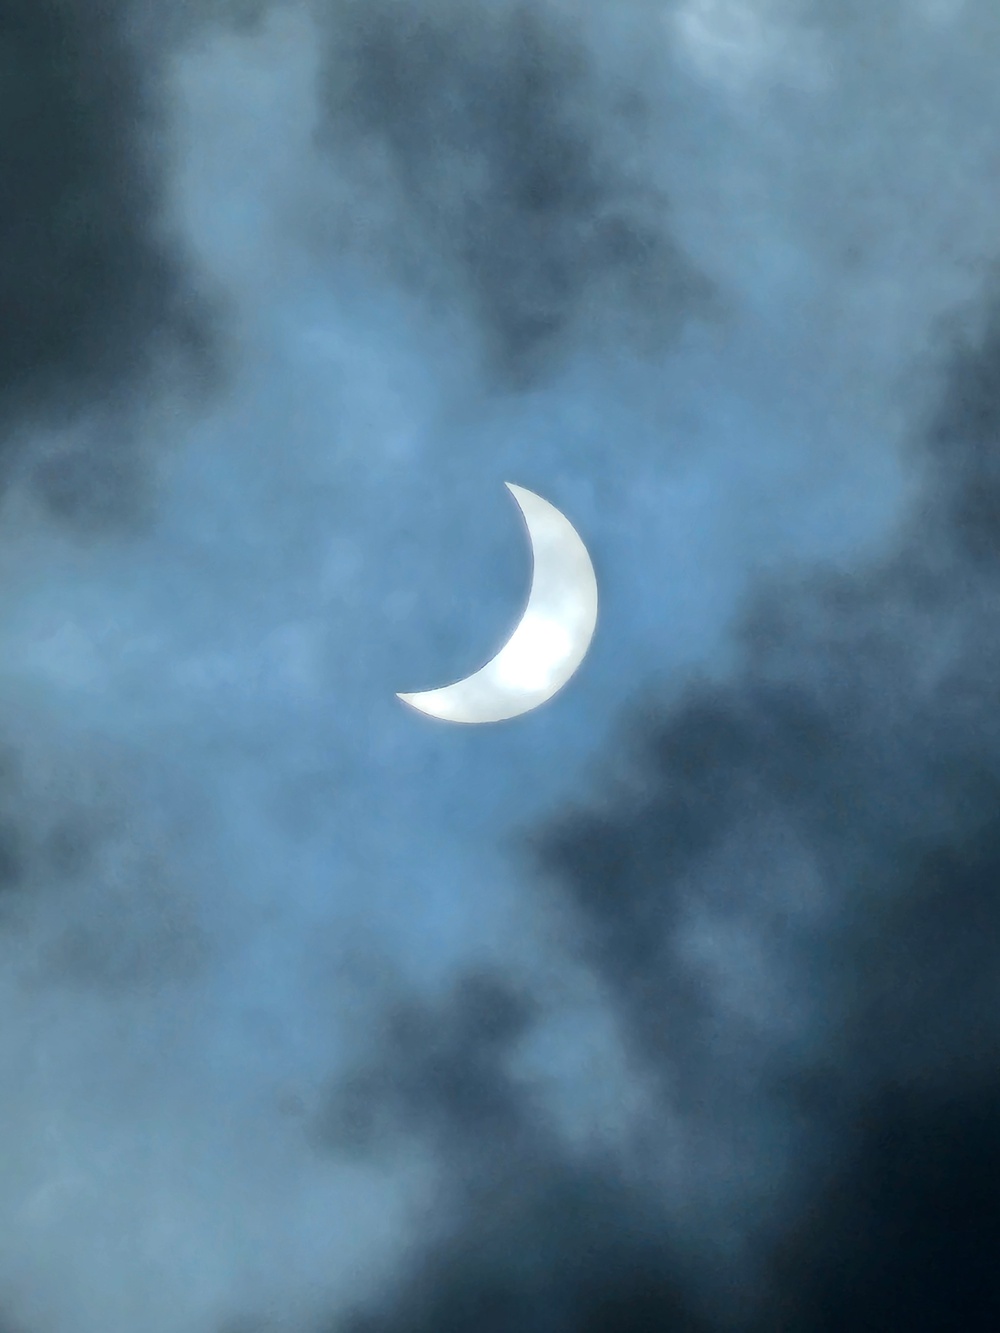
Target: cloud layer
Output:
[(673, 1006)]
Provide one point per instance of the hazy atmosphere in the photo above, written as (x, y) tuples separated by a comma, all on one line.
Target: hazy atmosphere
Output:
[(671, 1005)]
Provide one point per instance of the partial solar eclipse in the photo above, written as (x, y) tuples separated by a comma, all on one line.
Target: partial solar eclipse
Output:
[(551, 638)]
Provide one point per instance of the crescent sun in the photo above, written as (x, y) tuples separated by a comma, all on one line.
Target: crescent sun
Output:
[(551, 638)]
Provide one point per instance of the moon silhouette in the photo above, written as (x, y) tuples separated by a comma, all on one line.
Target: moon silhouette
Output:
[(551, 638)]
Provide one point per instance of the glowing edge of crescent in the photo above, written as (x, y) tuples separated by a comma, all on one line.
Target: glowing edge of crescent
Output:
[(562, 597)]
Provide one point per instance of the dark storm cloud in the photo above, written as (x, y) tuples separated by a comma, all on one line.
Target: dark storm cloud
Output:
[(508, 161), (92, 296)]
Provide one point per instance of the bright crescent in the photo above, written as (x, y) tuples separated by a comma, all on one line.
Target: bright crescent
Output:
[(551, 638)]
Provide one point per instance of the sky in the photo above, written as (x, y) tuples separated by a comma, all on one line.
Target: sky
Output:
[(671, 1005)]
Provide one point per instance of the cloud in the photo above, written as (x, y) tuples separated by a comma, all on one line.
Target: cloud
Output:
[(505, 167), (961, 440), (440, 1073), (905, 1233), (96, 297), (777, 888), (86, 874), (559, 1264), (785, 885), (787, 892), (524, 1233)]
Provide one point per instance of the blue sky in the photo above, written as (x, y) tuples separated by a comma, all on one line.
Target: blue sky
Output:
[(705, 276)]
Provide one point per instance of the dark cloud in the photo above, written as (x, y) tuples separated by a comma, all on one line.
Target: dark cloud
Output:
[(509, 170), (11, 856), (963, 445), (94, 298), (526, 1236), (103, 487), (13, 849), (571, 1256), (789, 892), (906, 1236), (97, 309), (899, 1229), (853, 764), (440, 1075)]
